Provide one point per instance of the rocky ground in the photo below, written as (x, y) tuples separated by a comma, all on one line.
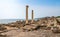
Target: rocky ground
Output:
[(38, 33), (32, 30)]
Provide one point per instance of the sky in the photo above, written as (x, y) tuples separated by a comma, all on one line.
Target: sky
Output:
[(16, 9)]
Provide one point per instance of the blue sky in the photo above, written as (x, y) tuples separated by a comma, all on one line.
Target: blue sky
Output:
[(15, 9)]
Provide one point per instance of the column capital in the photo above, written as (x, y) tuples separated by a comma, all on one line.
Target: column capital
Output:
[(27, 6)]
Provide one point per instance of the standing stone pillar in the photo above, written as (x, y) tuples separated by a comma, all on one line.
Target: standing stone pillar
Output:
[(27, 14), (32, 16)]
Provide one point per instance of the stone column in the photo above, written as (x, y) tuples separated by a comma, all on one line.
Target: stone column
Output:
[(27, 14), (32, 16)]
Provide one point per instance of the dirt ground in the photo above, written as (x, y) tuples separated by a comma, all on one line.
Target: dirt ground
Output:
[(38, 33)]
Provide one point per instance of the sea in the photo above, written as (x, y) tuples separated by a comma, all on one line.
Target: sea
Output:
[(6, 21)]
